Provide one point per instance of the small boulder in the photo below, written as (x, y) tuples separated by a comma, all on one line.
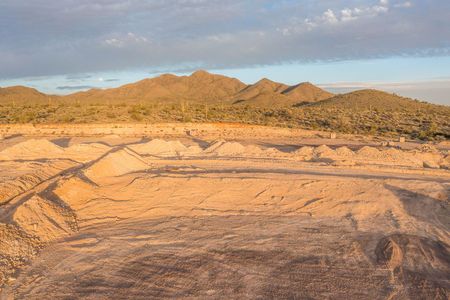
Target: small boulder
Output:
[(430, 164)]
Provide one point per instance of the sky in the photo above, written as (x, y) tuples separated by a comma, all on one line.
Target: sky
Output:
[(65, 46)]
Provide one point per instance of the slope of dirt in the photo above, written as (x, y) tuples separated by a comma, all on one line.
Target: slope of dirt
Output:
[(223, 148), (44, 219), (42, 149), (117, 163), (32, 149), (18, 177)]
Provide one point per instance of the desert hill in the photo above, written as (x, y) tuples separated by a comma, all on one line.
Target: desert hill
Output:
[(307, 92), (201, 87), (375, 100), (267, 93), (263, 93), (22, 95)]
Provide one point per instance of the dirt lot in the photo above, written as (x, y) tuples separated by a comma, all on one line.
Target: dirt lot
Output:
[(220, 211)]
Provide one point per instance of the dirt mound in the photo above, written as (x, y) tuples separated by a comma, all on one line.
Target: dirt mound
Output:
[(88, 147), (115, 164), (30, 175), (35, 222), (32, 149), (86, 152), (324, 153), (223, 148), (192, 150), (159, 147), (420, 261), (44, 219), (273, 152), (305, 151), (368, 152), (324, 150), (16, 247), (252, 150), (344, 152)]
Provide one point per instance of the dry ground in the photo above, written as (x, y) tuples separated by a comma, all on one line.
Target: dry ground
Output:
[(129, 218)]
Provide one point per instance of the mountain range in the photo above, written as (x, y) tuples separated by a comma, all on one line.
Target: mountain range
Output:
[(202, 87)]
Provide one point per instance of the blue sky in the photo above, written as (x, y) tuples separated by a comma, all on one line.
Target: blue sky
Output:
[(66, 46)]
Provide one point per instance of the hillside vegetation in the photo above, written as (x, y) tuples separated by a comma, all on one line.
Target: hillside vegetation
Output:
[(203, 97)]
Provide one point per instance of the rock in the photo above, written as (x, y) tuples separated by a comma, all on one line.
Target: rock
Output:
[(430, 165), (402, 139)]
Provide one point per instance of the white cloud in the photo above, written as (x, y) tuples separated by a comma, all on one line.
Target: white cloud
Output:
[(406, 4), (329, 17), (125, 40)]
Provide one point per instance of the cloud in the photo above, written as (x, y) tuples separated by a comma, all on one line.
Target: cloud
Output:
[(44, 37)]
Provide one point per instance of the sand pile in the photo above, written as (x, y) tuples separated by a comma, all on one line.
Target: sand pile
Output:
[(115, 164), (44, 149), (213, 146), (306, 152), (252, 150), (342, 156), (417, 254), (273, 152), (223, 148), (88, 148), (35, 222), (324, 151), (160, 147), (44, 219), (15, 248), (344, 152), (26, 179), (86, 152), (32, 149), (427, 157), (370, 155), (368, 152)]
